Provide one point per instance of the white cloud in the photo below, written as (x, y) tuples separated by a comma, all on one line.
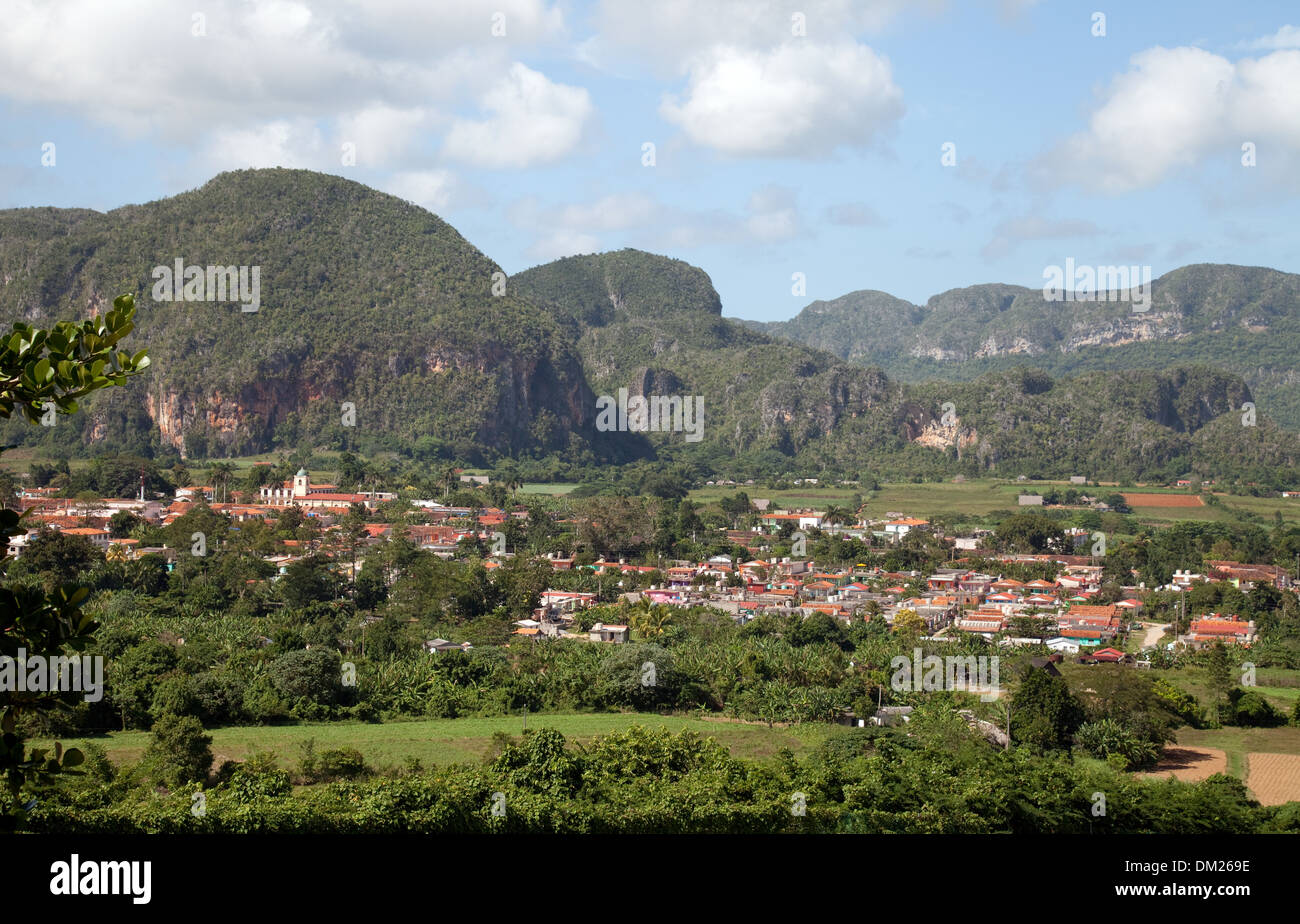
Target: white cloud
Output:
[(770, 215), (579, 223), (1176, 107), (609, 213), (430, 189), (1267, 99), (293, 143), (382, 134), (562, 243), (773, 215), (668, 34), (1011, 232), (1285, 37), (380, 73), (853, 214), (533, 121), (800, 99)]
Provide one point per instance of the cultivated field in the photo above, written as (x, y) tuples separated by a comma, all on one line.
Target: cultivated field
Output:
[(981, 497), (1191, 765), (1274, 778), (1239, 743), (1163, 500)]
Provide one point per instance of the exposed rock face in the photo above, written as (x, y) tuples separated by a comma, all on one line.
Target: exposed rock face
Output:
[(936, 436)]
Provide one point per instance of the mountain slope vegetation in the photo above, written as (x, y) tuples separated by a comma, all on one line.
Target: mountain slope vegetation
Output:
[(375, 308)]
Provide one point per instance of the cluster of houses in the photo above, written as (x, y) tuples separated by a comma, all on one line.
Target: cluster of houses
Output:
[(447, 526), (950, 601)]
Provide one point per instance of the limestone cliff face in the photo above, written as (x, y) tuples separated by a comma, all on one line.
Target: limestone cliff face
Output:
[(920, 426), (515, 390), (935, 435), (247, 415)]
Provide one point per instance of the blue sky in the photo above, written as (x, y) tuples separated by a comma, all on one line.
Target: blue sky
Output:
[(775, 152)]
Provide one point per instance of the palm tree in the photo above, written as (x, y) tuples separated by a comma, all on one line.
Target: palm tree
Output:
[(219, 474), (650, 620)]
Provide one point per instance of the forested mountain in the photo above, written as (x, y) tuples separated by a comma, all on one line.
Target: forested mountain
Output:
[(364, 299), (1239, 318), (370, 301), (654, 326)]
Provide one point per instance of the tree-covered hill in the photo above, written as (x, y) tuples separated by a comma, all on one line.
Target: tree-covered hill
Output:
[(364, 299), (654, 326), (371, 302), (1239, 318)]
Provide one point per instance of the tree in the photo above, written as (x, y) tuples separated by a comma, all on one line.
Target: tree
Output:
[(57, 557), (121, 524), (220, 474), (1219, 675), (179, 751), (309, 580), (1030, 532), (650, 620), (312, 674), (181, 477), (1047, 714), (43, 372), (908, 625), (1253, 711), (8, 489)]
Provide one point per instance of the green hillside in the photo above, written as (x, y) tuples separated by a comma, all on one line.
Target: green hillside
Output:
[(370, 302), (364, 299)]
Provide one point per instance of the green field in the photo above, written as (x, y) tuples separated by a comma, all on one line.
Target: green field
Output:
[(554, 489), (1280, 686), (981, 497), (448, 741)]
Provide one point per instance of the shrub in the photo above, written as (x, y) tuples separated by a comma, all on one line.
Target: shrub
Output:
[(260, 776), (1115, 744), (341, 764), (1253, 711), (179, 752)]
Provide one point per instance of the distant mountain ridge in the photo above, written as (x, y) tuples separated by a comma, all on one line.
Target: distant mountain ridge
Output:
[(1240, 318)]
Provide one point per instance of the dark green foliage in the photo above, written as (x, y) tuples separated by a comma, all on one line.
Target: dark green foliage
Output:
[(375, 302), (1253, 711), (652, 781), (364, 298), (54, 557), (1045, 713), (179, 751)]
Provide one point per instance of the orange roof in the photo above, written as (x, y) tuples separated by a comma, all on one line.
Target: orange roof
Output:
[(1080, 609), (1219, 627)]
